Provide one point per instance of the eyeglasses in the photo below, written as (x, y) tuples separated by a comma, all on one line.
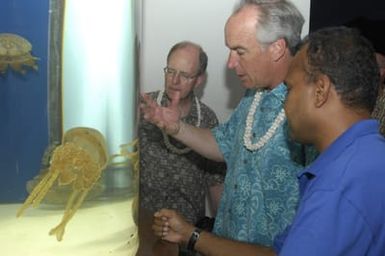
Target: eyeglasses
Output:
[(185, 77)]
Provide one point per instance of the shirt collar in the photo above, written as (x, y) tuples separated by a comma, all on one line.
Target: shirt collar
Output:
[(358, 129), (280, 92)]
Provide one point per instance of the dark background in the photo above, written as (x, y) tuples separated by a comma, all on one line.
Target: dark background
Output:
[(337, 12)]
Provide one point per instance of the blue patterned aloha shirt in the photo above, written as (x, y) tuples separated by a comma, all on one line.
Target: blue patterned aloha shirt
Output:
[(261, 189)]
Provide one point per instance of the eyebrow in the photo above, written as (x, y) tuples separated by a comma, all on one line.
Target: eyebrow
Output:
[(240, 48), (236, 47), (178, 70)]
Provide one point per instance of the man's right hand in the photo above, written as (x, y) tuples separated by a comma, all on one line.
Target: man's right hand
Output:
[(171, 226), (166, 118)]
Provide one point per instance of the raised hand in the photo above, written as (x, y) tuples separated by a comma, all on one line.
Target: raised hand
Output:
[(166, 118)]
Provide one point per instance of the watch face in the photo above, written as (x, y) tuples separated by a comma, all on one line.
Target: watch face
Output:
[(193, 239)]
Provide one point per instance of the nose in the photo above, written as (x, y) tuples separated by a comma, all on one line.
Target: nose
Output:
[(176, 78), (232, 60)]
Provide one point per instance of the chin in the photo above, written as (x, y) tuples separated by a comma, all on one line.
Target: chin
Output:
[(248, 85), (294, 136), (170, 93)]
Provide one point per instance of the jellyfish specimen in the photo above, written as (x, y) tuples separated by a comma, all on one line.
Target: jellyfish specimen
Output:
[(15, 52), (78, 161)]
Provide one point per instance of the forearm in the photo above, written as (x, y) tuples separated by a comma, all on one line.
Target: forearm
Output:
[(210, 245), (201, 140)]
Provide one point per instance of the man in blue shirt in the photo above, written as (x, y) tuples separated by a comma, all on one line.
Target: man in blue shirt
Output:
[(332, 87)]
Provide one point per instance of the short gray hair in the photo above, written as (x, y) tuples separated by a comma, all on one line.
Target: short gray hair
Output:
[(277, 19)]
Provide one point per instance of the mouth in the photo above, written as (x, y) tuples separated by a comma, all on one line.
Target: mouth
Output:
[(241, 76), (173, 90)]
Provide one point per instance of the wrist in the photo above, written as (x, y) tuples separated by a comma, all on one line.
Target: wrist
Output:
[(176, 129), (194, 237), (186, 234)]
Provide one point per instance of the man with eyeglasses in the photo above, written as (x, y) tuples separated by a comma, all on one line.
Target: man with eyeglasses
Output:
[(261, 188), (171, 174)]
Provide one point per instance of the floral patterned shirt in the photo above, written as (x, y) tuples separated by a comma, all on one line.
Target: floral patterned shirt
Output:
[(176, 181), (261, 190)]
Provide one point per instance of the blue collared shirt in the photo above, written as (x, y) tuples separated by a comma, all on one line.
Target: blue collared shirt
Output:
[(261, 187), (342, 207)]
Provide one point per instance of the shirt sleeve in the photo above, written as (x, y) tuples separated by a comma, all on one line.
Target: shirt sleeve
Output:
[(214, 171), (327, 224), (225, 134)]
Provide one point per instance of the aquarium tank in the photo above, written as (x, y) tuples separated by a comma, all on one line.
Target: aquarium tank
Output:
[(69, 163)]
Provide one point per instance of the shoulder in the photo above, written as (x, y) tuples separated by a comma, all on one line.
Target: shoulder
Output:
[(208, 114), (207, 110)]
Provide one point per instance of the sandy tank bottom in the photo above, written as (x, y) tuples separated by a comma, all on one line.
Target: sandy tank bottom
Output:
[(101, 229)]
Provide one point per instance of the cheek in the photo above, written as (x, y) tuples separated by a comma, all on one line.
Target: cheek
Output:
[(247, 64), (167, 81), (251, 67), (288, 103), (185, 91), (292, 108)]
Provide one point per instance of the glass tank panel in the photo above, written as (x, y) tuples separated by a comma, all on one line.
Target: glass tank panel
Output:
[(69, 162)]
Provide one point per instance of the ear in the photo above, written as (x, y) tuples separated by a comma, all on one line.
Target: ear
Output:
[(382, 74), (278, 49), (323, 86), (381, 88), (200, 80)]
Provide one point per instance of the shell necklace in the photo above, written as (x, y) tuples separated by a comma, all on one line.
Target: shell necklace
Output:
[(166, 139), (249, 125)]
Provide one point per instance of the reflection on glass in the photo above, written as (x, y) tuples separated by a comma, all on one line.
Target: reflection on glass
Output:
[(84, 199)]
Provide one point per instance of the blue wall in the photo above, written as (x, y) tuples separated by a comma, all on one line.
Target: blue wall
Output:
[(23, 100)]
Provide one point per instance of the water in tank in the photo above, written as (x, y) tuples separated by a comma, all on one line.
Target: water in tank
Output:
[(69, 172)]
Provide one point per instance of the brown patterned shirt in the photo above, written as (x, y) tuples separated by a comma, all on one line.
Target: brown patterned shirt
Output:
[(176, 181)]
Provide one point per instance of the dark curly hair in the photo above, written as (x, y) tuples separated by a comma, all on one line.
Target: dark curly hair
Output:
[(348, 59)]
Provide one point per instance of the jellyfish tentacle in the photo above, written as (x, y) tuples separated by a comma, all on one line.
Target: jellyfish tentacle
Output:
[(38, 192), (44, 189), (73, 204)]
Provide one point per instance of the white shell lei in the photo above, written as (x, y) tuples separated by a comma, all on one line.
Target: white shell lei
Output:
[(249, 125), (166, 139)]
